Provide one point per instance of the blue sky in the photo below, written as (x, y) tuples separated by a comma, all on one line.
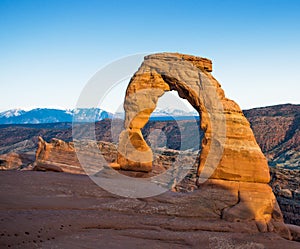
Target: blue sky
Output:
[(50, 49)]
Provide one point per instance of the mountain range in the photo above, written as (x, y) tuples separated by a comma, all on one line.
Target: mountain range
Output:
[(46, 115)]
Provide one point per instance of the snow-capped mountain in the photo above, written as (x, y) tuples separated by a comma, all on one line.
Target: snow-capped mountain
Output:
[(12, 113), (160, 112), (45, 115), (90, 114)]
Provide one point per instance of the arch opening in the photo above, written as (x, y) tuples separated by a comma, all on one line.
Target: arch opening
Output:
[(173, 134)]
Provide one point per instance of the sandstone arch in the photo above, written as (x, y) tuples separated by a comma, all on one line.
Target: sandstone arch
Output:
[(241, 171), (222, 120)]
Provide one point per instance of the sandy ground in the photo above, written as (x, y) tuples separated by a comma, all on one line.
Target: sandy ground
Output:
[(59, 210)]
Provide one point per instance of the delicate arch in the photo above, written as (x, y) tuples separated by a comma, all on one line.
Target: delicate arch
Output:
[(229, 149)]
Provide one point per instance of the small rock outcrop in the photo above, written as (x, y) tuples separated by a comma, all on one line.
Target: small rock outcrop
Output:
[(16, 161), (60, 156)]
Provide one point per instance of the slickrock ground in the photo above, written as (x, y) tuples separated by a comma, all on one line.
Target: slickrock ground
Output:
[(60, 210)]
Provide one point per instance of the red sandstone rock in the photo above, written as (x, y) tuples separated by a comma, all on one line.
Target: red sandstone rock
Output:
[(60, 156), (242, 158), (241, 167)]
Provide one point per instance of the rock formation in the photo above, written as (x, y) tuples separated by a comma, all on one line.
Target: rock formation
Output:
[(15, 161), (190, 76), (60, 156), (241, 171)]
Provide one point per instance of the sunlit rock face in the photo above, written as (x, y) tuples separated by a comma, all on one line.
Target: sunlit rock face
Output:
[(222, 120), (232, 169)]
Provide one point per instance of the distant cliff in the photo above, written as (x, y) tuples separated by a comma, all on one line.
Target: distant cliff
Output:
[(277, 131)]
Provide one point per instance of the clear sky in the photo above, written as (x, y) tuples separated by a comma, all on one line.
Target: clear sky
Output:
[(50, 49)]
